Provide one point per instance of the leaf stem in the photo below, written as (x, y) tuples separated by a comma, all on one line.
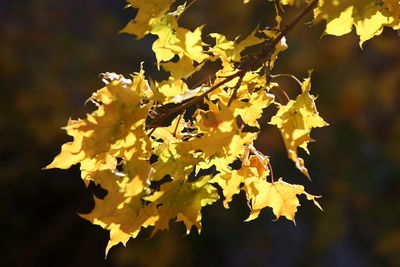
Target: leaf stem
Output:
[(271, 172), (287, 75)]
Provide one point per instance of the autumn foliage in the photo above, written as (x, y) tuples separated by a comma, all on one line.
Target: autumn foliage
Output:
[(162, 149)]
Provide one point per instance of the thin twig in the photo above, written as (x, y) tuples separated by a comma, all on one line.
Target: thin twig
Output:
[(287, 75), (235, 89), (290, 76), (280, 98), (177, 124)]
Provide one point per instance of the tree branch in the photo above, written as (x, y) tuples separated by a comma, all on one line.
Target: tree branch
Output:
[(291, 25), (258, 59)]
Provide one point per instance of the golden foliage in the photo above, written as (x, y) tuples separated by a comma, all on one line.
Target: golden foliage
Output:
[(369, 17), (160, 148)]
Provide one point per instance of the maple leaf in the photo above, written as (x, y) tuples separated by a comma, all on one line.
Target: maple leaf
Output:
[(174, 40), (148, 11), (252, 109), (183, 68), (280, 196), (122, 210), (165, 91), (224, 47), (231, 181), (295, 121), (222, 141), (230, 184), (171, 162), (113, 130), (184, 201)]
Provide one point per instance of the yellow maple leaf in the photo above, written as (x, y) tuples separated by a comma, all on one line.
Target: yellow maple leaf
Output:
[(184, 201), (219, 118), (183, 68), (165, 91), (147, 12), (225, 48), (230, 184), (252, 109), (280, 196), (222, 140), (230, 181), (295, 121), (115, 129), (122, 211), (174, 40), (170, 162), (342, 24)]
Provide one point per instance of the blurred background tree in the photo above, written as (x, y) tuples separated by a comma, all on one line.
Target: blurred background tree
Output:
[(51, 53)]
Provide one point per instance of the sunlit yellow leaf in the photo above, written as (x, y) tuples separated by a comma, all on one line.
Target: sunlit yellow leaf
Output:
[(147, 12), (122, 210), (171, 162), (280, 196), (107, 132), (295, 121), (174, 40), (182, 69), (222, 138), (252, 109), (225, 48), (342, 24), (184, 201), (167, 90), (230, 182)]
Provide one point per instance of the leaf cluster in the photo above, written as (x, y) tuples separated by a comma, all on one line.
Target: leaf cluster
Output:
[(161, 149)]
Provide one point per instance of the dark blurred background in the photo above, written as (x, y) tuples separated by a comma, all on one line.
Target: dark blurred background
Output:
[(51, 53)]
